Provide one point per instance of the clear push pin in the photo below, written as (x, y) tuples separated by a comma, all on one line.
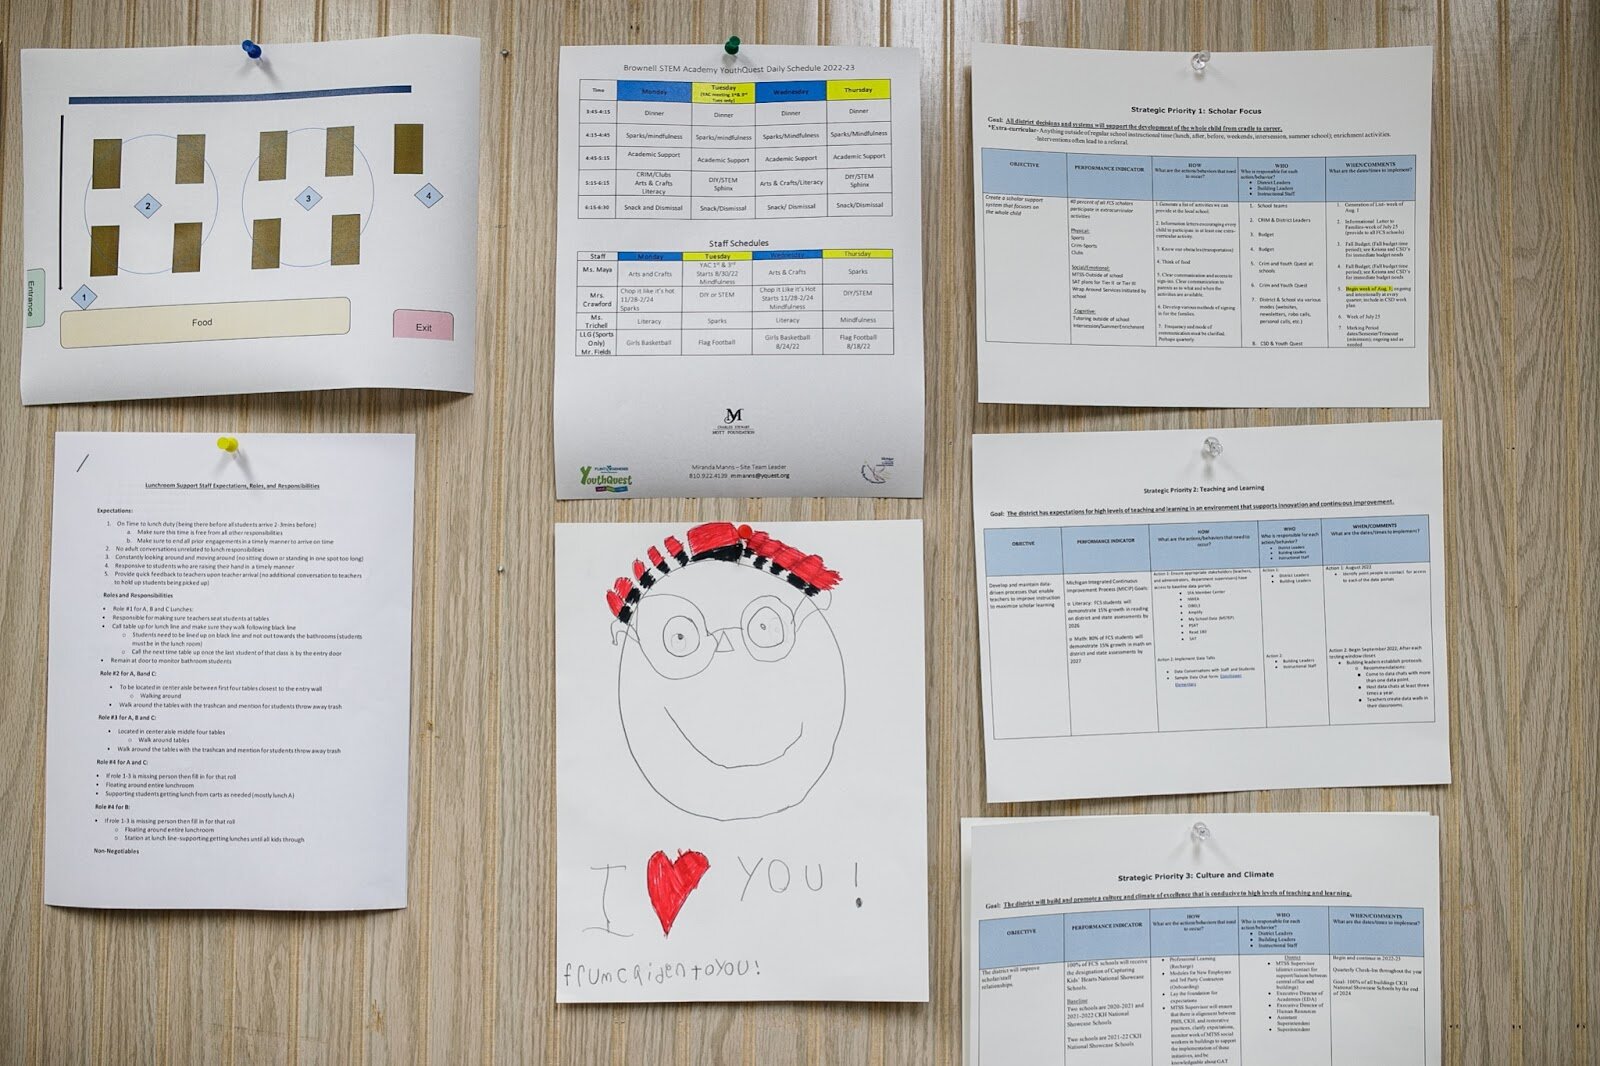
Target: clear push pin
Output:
[(1200, 60), (1200, 832), (1211, 448)]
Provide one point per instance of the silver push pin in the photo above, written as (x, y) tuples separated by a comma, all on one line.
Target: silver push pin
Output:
[(1211, 448), (1200, 832), (1200, 60)]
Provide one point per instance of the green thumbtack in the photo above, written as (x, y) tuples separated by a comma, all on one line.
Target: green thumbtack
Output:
[(731, 46)]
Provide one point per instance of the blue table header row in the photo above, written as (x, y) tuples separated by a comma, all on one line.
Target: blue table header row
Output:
[(682, 92), (1200, 179), (1176, 932), (1205, 546)]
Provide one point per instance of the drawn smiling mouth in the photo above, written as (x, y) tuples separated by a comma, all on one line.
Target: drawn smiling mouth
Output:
[(734, 765)]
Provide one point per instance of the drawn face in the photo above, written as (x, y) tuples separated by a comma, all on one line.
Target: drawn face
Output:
[(731, 689)]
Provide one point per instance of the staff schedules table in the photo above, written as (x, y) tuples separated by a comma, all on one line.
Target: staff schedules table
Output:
[(803, 301), (1229, 625), (1200, 251), (732, 150), (1206, 986)]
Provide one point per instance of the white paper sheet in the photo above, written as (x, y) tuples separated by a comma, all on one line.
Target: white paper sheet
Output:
[(229, 682), (739, 272), (1281, 939), (741, 808), (1155, 621), (1253, 236), (199, 222)]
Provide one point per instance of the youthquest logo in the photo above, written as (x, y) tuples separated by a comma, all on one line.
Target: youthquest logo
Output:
[(605, 478)]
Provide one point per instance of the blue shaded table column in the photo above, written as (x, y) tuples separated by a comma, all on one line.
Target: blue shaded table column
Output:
[(1110, 228), (1195, 955), (1372, 251), (1196, 220), (1379, 989), (1027, 675), (1284, 251), (1023, 246), (1378, 587), (1107, 984), (1286, 1013), (1021, 987)]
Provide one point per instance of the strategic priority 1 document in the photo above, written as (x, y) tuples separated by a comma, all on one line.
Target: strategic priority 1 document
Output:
[(1183, 611), (1250, 939), (230, 667), (1253, 235)]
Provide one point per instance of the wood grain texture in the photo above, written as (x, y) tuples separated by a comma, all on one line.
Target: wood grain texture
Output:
[(465, 974)]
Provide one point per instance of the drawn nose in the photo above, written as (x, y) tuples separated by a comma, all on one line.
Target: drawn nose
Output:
[(723, 643)]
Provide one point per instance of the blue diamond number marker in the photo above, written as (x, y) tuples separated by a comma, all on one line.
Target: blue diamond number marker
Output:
[(147, 205), (428, 195), (84, 297), (308, 198)]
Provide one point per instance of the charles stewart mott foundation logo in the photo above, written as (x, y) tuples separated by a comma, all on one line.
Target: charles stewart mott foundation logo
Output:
[(605, 478)]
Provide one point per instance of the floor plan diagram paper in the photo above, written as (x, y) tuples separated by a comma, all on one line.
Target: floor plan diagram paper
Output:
[(230, 672), (1184, 611), (199, 222), (1253, 235), (739, 272), (740, 772), (1248, 939)]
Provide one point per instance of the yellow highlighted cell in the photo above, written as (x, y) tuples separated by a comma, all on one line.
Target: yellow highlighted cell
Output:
[(1369, 288), (858, 253), (714, 257), (723, 92), (859, 89)]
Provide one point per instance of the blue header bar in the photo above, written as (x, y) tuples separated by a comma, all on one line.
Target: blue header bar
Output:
[(660, 92), (1204, 546), (1106, 549), (650, 257), (1196, 179), (1008, 172), (777, 92), (1022, 552), (1375, 931), (1372, 177), (1019, 941), (1360, 541), (1108, 177), (786, 253), (1298, 179)]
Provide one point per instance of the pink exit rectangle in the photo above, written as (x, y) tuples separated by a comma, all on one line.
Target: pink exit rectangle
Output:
[(425, 325)]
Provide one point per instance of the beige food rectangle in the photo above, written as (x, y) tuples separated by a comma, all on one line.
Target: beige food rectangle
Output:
[(107, 171), (274, 162), (339, 159), (185, 247), (408, 148), (104, 243), (346, 249), (172, 323), (265, 237), (191, 166)]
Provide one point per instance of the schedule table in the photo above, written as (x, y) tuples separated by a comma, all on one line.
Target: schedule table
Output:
[(803, 301), (766, 149), (1208, 986), (1211, 625), (1201, 251)]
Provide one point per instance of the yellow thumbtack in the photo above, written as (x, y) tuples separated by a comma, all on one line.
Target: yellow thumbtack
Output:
[(228, 444)]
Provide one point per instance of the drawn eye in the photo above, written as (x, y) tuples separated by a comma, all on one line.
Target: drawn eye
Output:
[(768, 626), (680, 636), (763, 628)]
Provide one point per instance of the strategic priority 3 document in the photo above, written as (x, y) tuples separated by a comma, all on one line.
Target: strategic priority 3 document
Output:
[(1183, 611), (1256, 235), (1262, 940), (229, 680), (739, 272)]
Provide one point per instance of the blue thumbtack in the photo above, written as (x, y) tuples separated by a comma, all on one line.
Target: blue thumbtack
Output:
[(731, 46), (251, 49)]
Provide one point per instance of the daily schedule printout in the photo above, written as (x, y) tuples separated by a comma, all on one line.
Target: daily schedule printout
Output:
[(1255, 940), (1165, 612), (230, 671), (1253, 235), (739, 272)]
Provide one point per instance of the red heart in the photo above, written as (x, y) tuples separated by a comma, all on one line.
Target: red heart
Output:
[(671, 881)]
